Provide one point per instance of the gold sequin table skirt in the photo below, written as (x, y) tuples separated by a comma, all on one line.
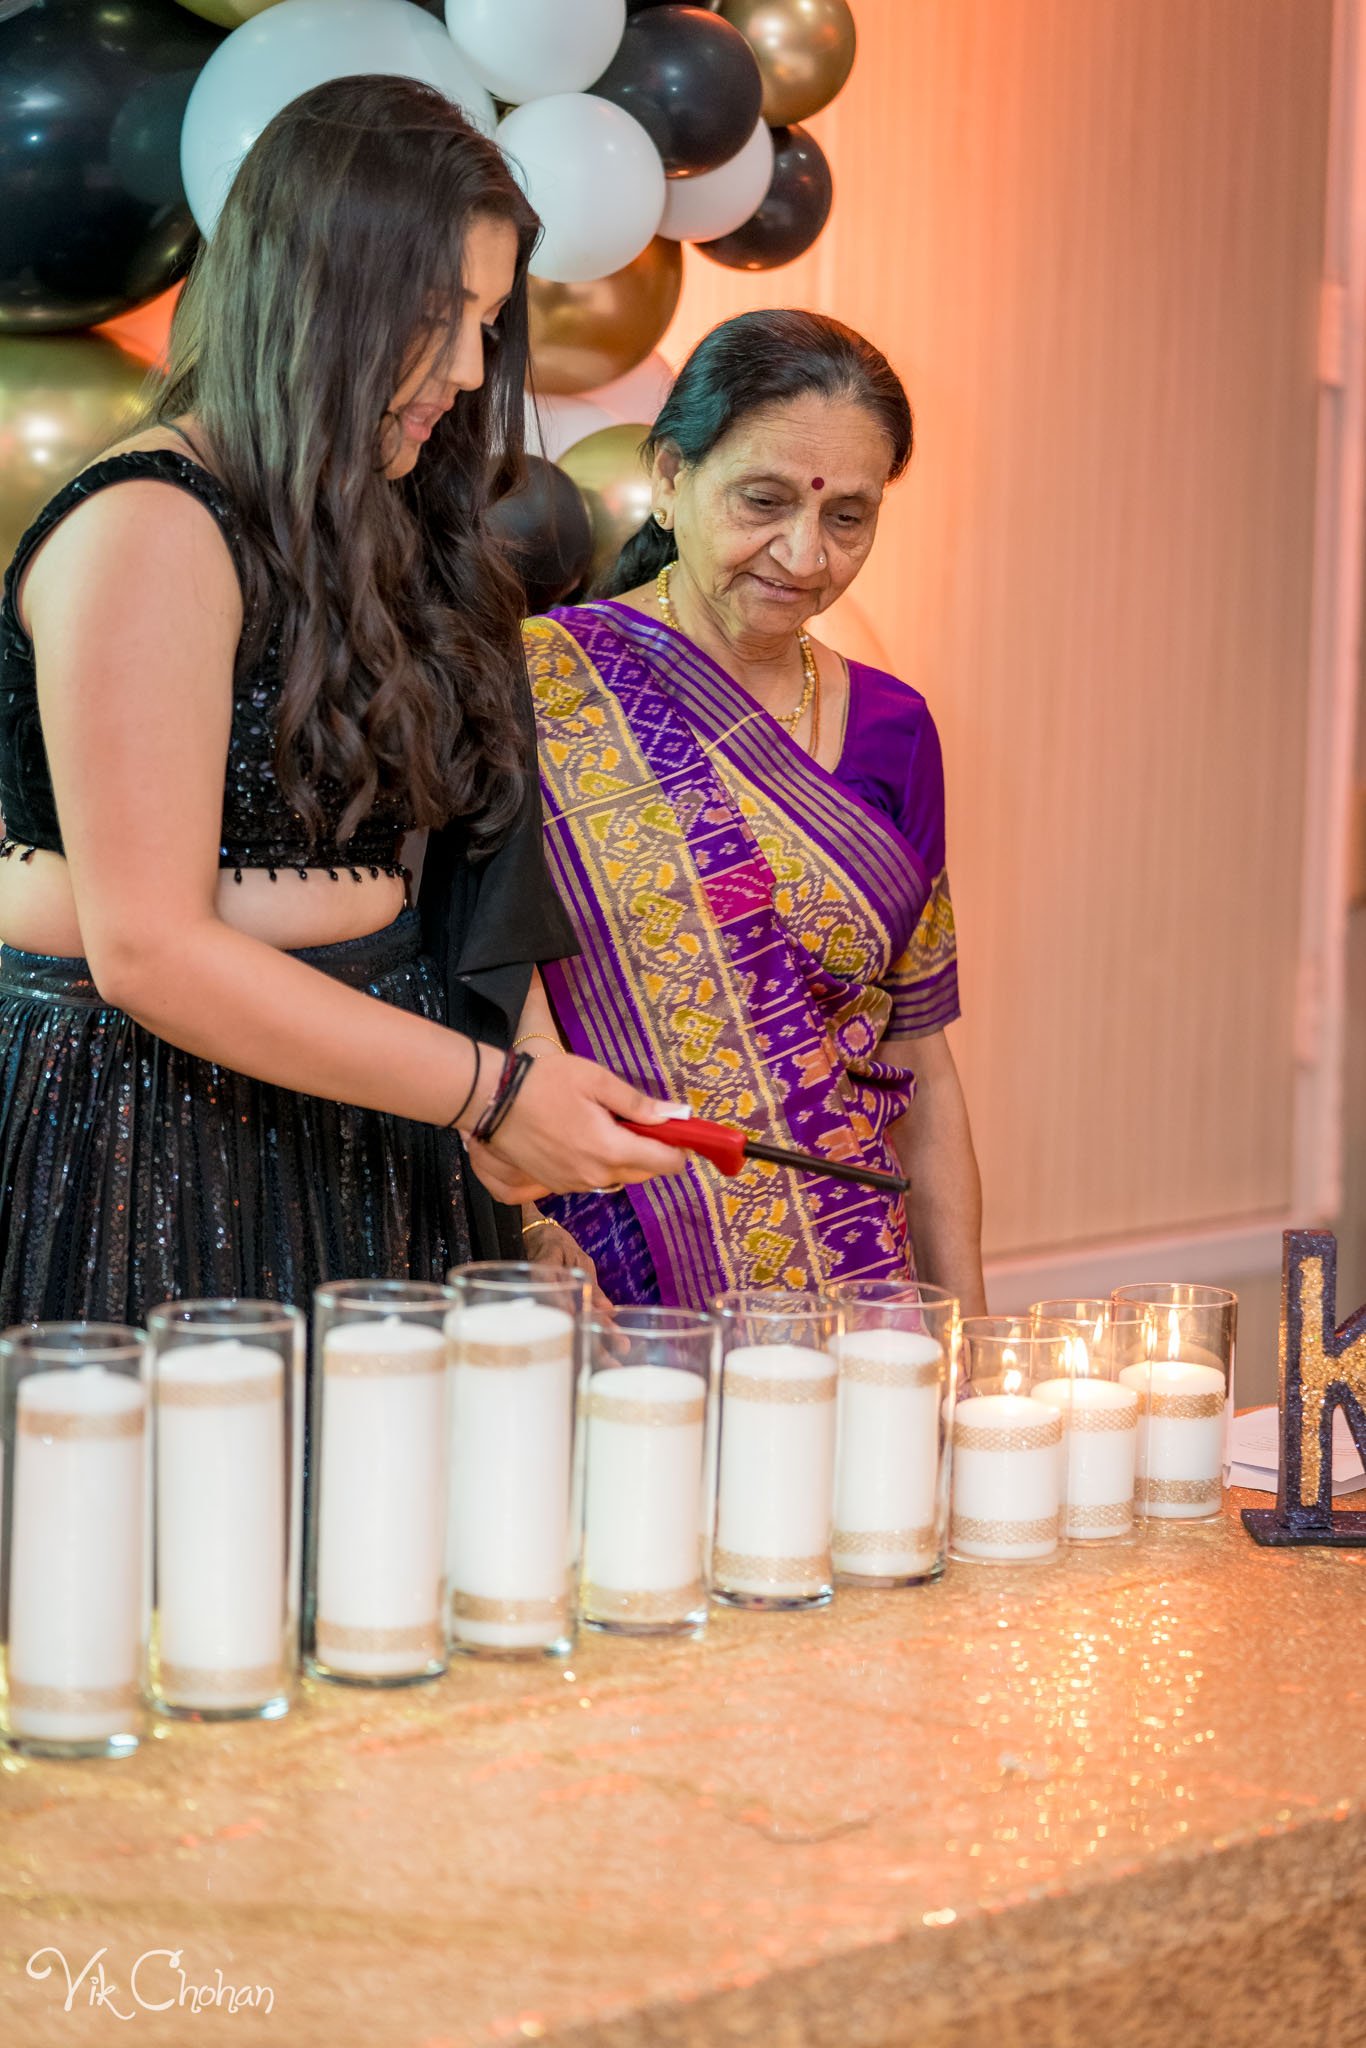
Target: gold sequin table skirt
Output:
[(1120, 1799)]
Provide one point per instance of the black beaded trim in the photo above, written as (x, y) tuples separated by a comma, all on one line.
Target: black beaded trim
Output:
[(392, 869)]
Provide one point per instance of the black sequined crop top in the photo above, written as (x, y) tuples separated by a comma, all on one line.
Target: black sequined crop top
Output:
[(260, 829)]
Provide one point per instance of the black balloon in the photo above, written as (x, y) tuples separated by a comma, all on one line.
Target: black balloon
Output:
[(794, 211), (93, 216), (545, 529), (692, 82)]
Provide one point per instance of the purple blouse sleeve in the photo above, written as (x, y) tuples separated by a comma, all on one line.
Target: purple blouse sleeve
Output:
[(893, 759)]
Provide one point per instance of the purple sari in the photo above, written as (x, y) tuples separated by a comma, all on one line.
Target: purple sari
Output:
[(754, 930)]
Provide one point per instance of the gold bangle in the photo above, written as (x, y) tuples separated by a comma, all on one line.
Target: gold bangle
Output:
[(544, 1036), (540, 1223)]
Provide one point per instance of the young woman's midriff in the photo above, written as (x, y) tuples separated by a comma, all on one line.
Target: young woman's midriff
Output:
[(38, 909)]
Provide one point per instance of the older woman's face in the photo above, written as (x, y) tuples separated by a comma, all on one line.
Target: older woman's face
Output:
[(779, 518)]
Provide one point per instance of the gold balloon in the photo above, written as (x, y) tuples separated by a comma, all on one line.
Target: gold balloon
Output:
[(228, 13), (63, 397), (615, 483), (583, 335), (805, 50)]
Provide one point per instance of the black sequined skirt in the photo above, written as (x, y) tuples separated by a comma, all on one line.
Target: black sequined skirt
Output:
[(131, 1172)]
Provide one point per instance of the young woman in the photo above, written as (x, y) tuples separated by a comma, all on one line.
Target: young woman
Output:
[(242, 658)]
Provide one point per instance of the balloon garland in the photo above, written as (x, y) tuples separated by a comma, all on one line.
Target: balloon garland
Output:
[(635, 126), (94, 218)]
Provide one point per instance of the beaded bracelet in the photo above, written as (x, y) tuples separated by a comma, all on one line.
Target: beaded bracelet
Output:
[(528, 1037), (516, 1067)]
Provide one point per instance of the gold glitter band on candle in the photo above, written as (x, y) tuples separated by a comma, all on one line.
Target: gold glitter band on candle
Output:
[(545, 1351), (966, 1529), (1036, 1439), (1094, 1421), (379, 1363), (424, 1637), (177, 1393), (72, 1699), (676, 1603), (1190, 1493), (1182, 1407), (889, 1372), (644, 1414), (262, 1684), (64, 1427), (747, 1386), (1098, 1520), (729, 1565), (875, 1542), (513, 1613)]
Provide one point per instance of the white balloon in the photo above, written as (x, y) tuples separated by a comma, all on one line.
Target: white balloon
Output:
[(523, 49), (716, 202), (290, 48), (594, 177), (636, 396), (554, 424)]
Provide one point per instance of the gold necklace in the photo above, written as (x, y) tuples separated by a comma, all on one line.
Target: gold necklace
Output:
[(811, 675)]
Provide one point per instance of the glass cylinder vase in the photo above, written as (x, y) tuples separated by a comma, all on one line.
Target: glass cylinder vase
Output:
[(227, 1463), (1006, 1480), (1184, 1383), (73, 1544), (645, 1435), (516, 1351), (896, 1361), (775, 1487), (377, 1483), (1099, 1416)]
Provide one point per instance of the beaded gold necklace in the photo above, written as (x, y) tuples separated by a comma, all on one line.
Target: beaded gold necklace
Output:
[(811, 675)]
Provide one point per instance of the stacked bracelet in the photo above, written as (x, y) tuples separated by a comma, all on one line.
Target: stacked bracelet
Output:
[(454, 1123), (516, 1067)]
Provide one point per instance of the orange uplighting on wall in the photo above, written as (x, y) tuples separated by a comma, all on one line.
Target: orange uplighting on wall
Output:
[(1089, 237)]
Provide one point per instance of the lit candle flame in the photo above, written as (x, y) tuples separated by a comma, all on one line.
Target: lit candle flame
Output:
[(1173, 1333), (1078, 1358), (1013, 1380)]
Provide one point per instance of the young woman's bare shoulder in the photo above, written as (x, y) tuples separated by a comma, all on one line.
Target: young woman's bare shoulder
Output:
[(136, 541)]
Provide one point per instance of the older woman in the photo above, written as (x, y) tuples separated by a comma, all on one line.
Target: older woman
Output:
[(748, 831)]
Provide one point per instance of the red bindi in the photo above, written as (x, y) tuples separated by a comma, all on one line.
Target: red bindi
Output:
[(818, 483)]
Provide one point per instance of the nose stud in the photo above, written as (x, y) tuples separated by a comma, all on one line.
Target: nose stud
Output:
[(820, 561)]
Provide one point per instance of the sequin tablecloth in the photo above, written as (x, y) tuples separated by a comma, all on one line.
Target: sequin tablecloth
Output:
[(1120, 1799)]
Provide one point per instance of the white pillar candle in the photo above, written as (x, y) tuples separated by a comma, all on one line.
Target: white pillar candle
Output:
[(642, 1517), (887, 1460), (77, 1555), (1096, 1458), (1005, 1478), (508, 1550), (221, 1500), (1179, 1472), (775, 1493), (381, 1504)]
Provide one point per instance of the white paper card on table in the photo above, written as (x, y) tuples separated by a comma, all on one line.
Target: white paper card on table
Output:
[(1255, 1444)]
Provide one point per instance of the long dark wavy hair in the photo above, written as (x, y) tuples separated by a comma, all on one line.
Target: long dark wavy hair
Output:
[(754, 360), (339, 243)]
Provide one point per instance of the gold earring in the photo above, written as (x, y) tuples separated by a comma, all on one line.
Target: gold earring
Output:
[(662, 518)]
